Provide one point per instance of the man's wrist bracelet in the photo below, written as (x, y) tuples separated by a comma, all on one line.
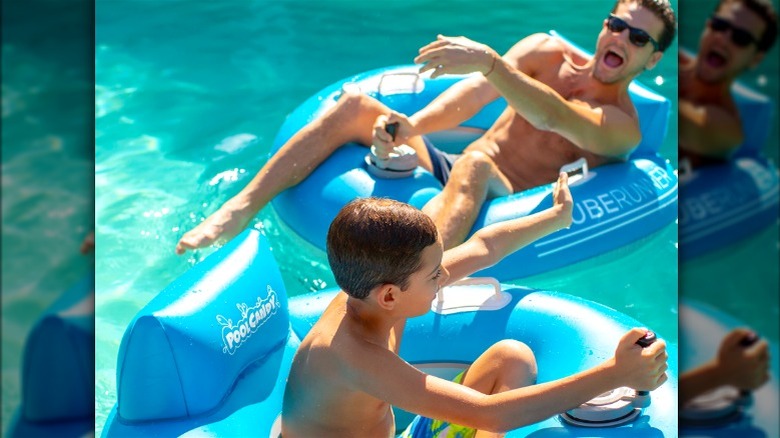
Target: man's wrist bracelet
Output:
[(492, 66)]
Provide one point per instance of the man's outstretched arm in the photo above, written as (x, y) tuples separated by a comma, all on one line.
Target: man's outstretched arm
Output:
[(604, 130)]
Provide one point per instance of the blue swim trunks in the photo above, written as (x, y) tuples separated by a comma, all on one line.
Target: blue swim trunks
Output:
[(422, 427), (442, 161)]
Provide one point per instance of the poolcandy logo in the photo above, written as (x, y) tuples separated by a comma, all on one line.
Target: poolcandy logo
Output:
[(252, 318)]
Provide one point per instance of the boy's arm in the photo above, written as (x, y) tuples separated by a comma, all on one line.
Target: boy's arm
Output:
[(491, 244), (601, 129), (387, 377), (744, 367)]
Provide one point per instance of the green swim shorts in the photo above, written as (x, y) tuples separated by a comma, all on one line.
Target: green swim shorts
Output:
[(423, 427)]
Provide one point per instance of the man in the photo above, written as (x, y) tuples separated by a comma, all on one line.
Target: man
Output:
[(561, 107), (736, 38), (388, 259)]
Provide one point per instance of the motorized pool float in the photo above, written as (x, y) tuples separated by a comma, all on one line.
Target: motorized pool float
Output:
[(724, 411), (58, 369), (210, 354), (615, 204), (725, 203)]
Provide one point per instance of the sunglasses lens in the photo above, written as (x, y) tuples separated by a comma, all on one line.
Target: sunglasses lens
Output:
[(741, 38), (639, 38), (719, 25), (615, 24)]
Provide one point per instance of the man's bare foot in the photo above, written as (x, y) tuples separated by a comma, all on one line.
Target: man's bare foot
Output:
[(223, 224), (88, 244)]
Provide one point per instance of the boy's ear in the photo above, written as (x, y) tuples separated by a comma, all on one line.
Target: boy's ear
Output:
[(386, 296)]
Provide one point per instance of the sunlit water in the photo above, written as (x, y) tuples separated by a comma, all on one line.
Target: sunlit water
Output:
[(189, 96), (740, 279), (46, 172)]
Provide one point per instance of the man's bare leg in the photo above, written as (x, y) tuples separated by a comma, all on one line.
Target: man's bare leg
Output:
[(506, 365), (350, 120), (473, 179)]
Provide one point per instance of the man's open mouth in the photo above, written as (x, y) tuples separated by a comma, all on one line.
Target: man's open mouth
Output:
[(612, 59), (715, 59)]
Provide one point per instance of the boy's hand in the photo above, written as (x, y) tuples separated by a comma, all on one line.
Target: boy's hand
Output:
[(643, 369), (744, 367), (562, 199)]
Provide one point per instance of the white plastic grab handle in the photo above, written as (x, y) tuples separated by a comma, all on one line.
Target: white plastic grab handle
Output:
[(577, 170), (471, 281), (415, 75)]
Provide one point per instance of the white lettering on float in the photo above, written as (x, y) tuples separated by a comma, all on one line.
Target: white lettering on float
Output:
[(620, 198), (717, 201), (661, 178), (252, 318)]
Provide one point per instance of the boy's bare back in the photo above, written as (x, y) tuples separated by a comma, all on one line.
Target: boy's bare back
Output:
[(322, 369)]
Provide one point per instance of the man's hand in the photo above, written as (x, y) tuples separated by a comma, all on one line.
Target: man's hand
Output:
[(383, 141), (643, 369), (456, 55), (563, 200)]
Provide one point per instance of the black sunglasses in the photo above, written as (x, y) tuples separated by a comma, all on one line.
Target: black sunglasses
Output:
[(740, 37), (638, 37)]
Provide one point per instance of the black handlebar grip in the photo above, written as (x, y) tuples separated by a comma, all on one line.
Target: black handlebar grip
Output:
[(746, 342), (644, 342), (391, 128), (749, 340), (647, 340)]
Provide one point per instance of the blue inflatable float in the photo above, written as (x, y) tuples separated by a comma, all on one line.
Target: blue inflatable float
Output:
[(725, 203), (724, 412), (58, 369), (615, 204), (210, 354)]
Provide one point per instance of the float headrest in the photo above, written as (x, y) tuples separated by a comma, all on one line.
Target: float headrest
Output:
[(191, 343)]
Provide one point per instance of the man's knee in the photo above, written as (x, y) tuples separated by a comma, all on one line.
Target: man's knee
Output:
[(355, 104), (473, 163)]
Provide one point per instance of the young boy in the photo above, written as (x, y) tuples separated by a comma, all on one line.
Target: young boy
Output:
[(388, 260)]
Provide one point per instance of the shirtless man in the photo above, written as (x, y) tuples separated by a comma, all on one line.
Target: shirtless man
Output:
[(737, 36), (561, 107), (347, 372)]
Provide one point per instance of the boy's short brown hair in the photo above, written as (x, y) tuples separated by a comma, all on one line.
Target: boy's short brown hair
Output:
[(374, 241)]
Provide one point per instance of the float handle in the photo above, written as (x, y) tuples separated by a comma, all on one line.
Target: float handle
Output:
[(647, 340), (469, 281), (382, 79), (746, 395)]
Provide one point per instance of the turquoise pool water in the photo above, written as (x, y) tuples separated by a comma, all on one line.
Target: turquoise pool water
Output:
[(47, 170), (189, 96), (740, 279)]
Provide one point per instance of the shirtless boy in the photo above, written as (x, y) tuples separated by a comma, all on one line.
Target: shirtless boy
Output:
[(388, 259), (736, 38), (561, 107)]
